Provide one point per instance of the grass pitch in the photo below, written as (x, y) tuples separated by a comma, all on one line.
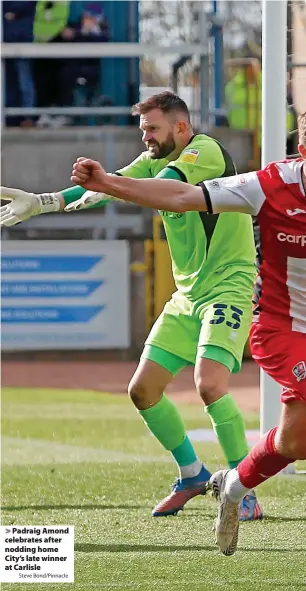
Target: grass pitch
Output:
[(86, 459)]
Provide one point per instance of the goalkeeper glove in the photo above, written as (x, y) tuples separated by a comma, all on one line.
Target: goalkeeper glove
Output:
[(25, 205)]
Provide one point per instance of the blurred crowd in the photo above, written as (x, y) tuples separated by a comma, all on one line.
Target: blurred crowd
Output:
[(48, 82)]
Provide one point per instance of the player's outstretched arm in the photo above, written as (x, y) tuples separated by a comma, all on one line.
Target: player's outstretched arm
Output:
[(22, 205), (239, 193), (165, 194)]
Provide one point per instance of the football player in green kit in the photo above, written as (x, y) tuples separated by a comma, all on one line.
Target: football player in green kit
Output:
[(206, 323)]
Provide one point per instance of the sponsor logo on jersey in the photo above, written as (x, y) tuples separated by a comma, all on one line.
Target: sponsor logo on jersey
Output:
[(238, 180), (295, 211), (282, 237), (171, 214), (299, 371), (214, 185), (190, 156)]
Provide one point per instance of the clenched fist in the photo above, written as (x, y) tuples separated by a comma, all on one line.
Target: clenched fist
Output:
[(89, 174)]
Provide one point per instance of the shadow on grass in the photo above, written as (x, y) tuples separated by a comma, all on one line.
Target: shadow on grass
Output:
[(196, 512), (88, 548), (270, 518), (139, 548), (72, 507), (295, 585)]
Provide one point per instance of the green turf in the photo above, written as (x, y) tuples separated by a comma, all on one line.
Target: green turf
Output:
[(86, 459)]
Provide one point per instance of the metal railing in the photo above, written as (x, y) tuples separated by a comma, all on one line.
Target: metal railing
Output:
[(100, 50), (92, 50), (108, 225)]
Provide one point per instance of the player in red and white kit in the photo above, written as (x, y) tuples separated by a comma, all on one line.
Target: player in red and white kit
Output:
[(277, 196)]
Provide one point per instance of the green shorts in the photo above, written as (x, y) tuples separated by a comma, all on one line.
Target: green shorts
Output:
[(188, 330)]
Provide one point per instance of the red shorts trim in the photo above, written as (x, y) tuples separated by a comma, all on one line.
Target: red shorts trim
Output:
[(281, 354)]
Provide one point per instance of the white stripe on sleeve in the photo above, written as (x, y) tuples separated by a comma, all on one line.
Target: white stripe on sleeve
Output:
[(241, 193)]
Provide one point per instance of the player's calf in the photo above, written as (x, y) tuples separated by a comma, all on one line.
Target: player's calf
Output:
[(290, 440)]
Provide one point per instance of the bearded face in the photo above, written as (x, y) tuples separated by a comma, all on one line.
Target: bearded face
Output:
[(158, 133), (161, 149)]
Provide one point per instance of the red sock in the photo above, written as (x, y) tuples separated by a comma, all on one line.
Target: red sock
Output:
[(262, 462)]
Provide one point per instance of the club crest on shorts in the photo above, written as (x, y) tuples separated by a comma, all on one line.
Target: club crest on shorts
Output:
[(299, 371)]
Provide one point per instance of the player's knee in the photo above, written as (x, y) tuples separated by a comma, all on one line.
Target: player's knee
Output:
[(210, 388), (142, 394), (211, 380), (137, 392), (291, 446), (290, 438)]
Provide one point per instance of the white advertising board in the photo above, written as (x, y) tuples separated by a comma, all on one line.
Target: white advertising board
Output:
[(68, 294)]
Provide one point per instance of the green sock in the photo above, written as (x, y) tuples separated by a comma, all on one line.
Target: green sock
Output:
[(229, 427), (165, 422), (184, 454)]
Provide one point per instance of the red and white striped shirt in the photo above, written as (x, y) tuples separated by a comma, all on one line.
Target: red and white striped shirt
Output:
[(276, 196)]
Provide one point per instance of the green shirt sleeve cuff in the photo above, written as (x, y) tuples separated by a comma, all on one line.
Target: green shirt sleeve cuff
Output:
[(171, 173), (74, 193)]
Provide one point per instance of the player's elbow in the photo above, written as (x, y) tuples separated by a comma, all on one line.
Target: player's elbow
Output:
[(185, 199), (189, 200), (179, 205)]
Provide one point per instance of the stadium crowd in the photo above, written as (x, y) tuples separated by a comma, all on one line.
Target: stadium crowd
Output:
[(47, 82)]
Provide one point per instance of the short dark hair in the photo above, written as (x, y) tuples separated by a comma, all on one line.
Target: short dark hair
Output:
[(302, 129), (167, 102)]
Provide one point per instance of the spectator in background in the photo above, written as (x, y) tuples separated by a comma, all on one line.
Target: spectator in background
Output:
[(92, 27), (18, 19), (56, 78), (50, 20), (243, 95), (292, 137), (50, 25)]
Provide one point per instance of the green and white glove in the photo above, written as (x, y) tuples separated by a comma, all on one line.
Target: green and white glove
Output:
[(90, 199), (22, 205)]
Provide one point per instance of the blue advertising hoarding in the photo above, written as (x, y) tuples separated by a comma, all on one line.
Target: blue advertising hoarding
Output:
[(65, 295)]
